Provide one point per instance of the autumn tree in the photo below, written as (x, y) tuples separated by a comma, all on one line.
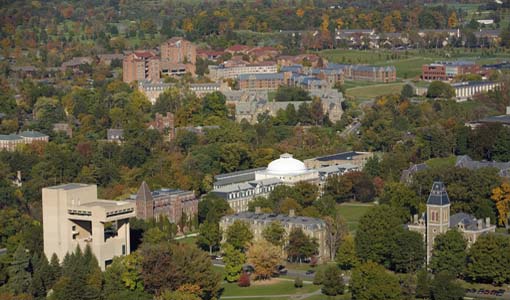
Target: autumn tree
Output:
[(264, 257), (453, 22), (501, 196), (300, 246), (336, 229)]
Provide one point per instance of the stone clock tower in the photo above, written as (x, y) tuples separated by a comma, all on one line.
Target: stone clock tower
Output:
[(438, 215)]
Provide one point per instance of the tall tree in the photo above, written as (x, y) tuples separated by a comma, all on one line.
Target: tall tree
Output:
[(346, 256), (234, 260), (209, 235), (489, 258), (444, 287), (501, 196), (275, 234), (332, 283), (239, 235), (408, 254), (19, 271), (336, 229), (300, 246), (449, 253), (264, 257)]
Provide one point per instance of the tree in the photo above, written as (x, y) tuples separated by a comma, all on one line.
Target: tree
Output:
[(275, 234), (214, 105), (239, 234), (449, 253), (336, 229), (346, 256), (300, 246), (333, 283), (452, 20), (264, 257), (55, 270), (212, 208), (177, 295), (398, 195), (439, 89), (422, 284), (19, 271), (408, 254), (374, 237), (488, 259), (234, 260), (407, 91), (298, 282), (41, 277), (371, 281), (169, 266), (244, 280), (209, 235), (444, 287), (501, 196)]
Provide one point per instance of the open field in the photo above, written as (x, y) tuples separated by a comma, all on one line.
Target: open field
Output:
[(376, 90), (352, 212), (280, 287)]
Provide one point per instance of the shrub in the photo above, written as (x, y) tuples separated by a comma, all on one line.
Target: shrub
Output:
[(244, 280), (298, 283)]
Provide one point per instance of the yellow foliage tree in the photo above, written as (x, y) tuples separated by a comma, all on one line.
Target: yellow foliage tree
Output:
[(501, 196), (452, 20), (187, 25), (264, 257), (388, 24), (325, 23), (339, 23), (300, 12)]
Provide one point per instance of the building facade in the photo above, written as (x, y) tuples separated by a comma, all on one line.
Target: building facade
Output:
[(140, 65), (224, 71), (270, 81), (443, 71), (152, 89), (467, 90), (313, 227), (73, 216), (366, 73), (438, 220), (170, 203), (9, 142)]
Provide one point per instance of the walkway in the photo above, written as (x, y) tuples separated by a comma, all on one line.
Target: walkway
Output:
[(291, 297)]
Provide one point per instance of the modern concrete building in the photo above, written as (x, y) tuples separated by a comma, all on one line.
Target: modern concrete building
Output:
[(313, 227), (467, 90), (73, 216), (9, 142), (170, 203), (438, 220)]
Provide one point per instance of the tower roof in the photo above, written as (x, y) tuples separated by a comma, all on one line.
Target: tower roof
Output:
[(438, 195), (144, 192)]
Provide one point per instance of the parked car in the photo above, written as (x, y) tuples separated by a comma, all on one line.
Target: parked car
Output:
[(310, 272)]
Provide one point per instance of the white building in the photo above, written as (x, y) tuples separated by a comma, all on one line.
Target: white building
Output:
[(73, 216), (466, 90)]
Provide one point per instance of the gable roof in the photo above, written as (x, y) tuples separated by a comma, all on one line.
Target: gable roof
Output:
[(144, 192)]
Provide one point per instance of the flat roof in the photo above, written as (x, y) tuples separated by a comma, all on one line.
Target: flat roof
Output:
[(104, 203), (339, 156), (69, 186)]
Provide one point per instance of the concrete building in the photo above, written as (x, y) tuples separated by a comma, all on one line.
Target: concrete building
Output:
[(313, 227), (448, 70), (170, 203), (467, 90), (239, 188), (9, 142), (140, 65), (438, 220), (73, 216), (233, 70)]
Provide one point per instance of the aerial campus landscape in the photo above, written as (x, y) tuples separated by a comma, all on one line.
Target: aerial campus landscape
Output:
[(258, 149)]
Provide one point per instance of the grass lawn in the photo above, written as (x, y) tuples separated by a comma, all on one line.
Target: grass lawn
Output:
[(372, 91), (323, 297), (352, 212), (280, 287), (441, 162)]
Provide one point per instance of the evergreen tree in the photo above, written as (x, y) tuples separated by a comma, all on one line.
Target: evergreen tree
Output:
[(41, 278), (332, 283), (422, 284), (19, 271), (55, 270)]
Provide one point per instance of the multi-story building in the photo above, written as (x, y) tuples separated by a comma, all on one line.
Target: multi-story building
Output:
[(140, 65), (178, 57), (263, 81), (152, 89), (313, 227), (233, 70), (438, 220), (73, 216), (367, 73), (170, 203), (239, 188), (9, 142), (448, 70), (467, 90)]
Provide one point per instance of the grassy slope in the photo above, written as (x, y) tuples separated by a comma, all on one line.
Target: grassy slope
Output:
[(372, 91), (352, 212), (280, 288)]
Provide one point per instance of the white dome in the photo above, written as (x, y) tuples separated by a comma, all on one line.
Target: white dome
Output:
[(286, 165)]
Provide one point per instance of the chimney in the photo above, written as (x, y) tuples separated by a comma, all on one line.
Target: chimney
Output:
[(292, 213), (415, 218), (508, 110), (487, 221), (18, 176), (480, 224), (257, 210)]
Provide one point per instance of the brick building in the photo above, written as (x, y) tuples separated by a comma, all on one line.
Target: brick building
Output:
[(140, 65), (178, 56), (366, 73), (448, 70), (270, 81), (170, 203)]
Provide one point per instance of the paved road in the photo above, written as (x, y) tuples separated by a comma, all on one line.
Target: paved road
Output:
[(291, 296)]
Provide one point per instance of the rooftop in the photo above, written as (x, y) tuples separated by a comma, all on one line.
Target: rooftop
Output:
[(69, 186), (340, 156), (32, 134), (438, 195), (284, 219)]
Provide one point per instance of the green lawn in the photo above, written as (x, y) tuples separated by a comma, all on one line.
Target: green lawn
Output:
[(373, 91), (283, 287), (352, 212), (441, 162)]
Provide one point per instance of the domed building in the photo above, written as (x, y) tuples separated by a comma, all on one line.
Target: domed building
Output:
[(289, 170), (239, 188)]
